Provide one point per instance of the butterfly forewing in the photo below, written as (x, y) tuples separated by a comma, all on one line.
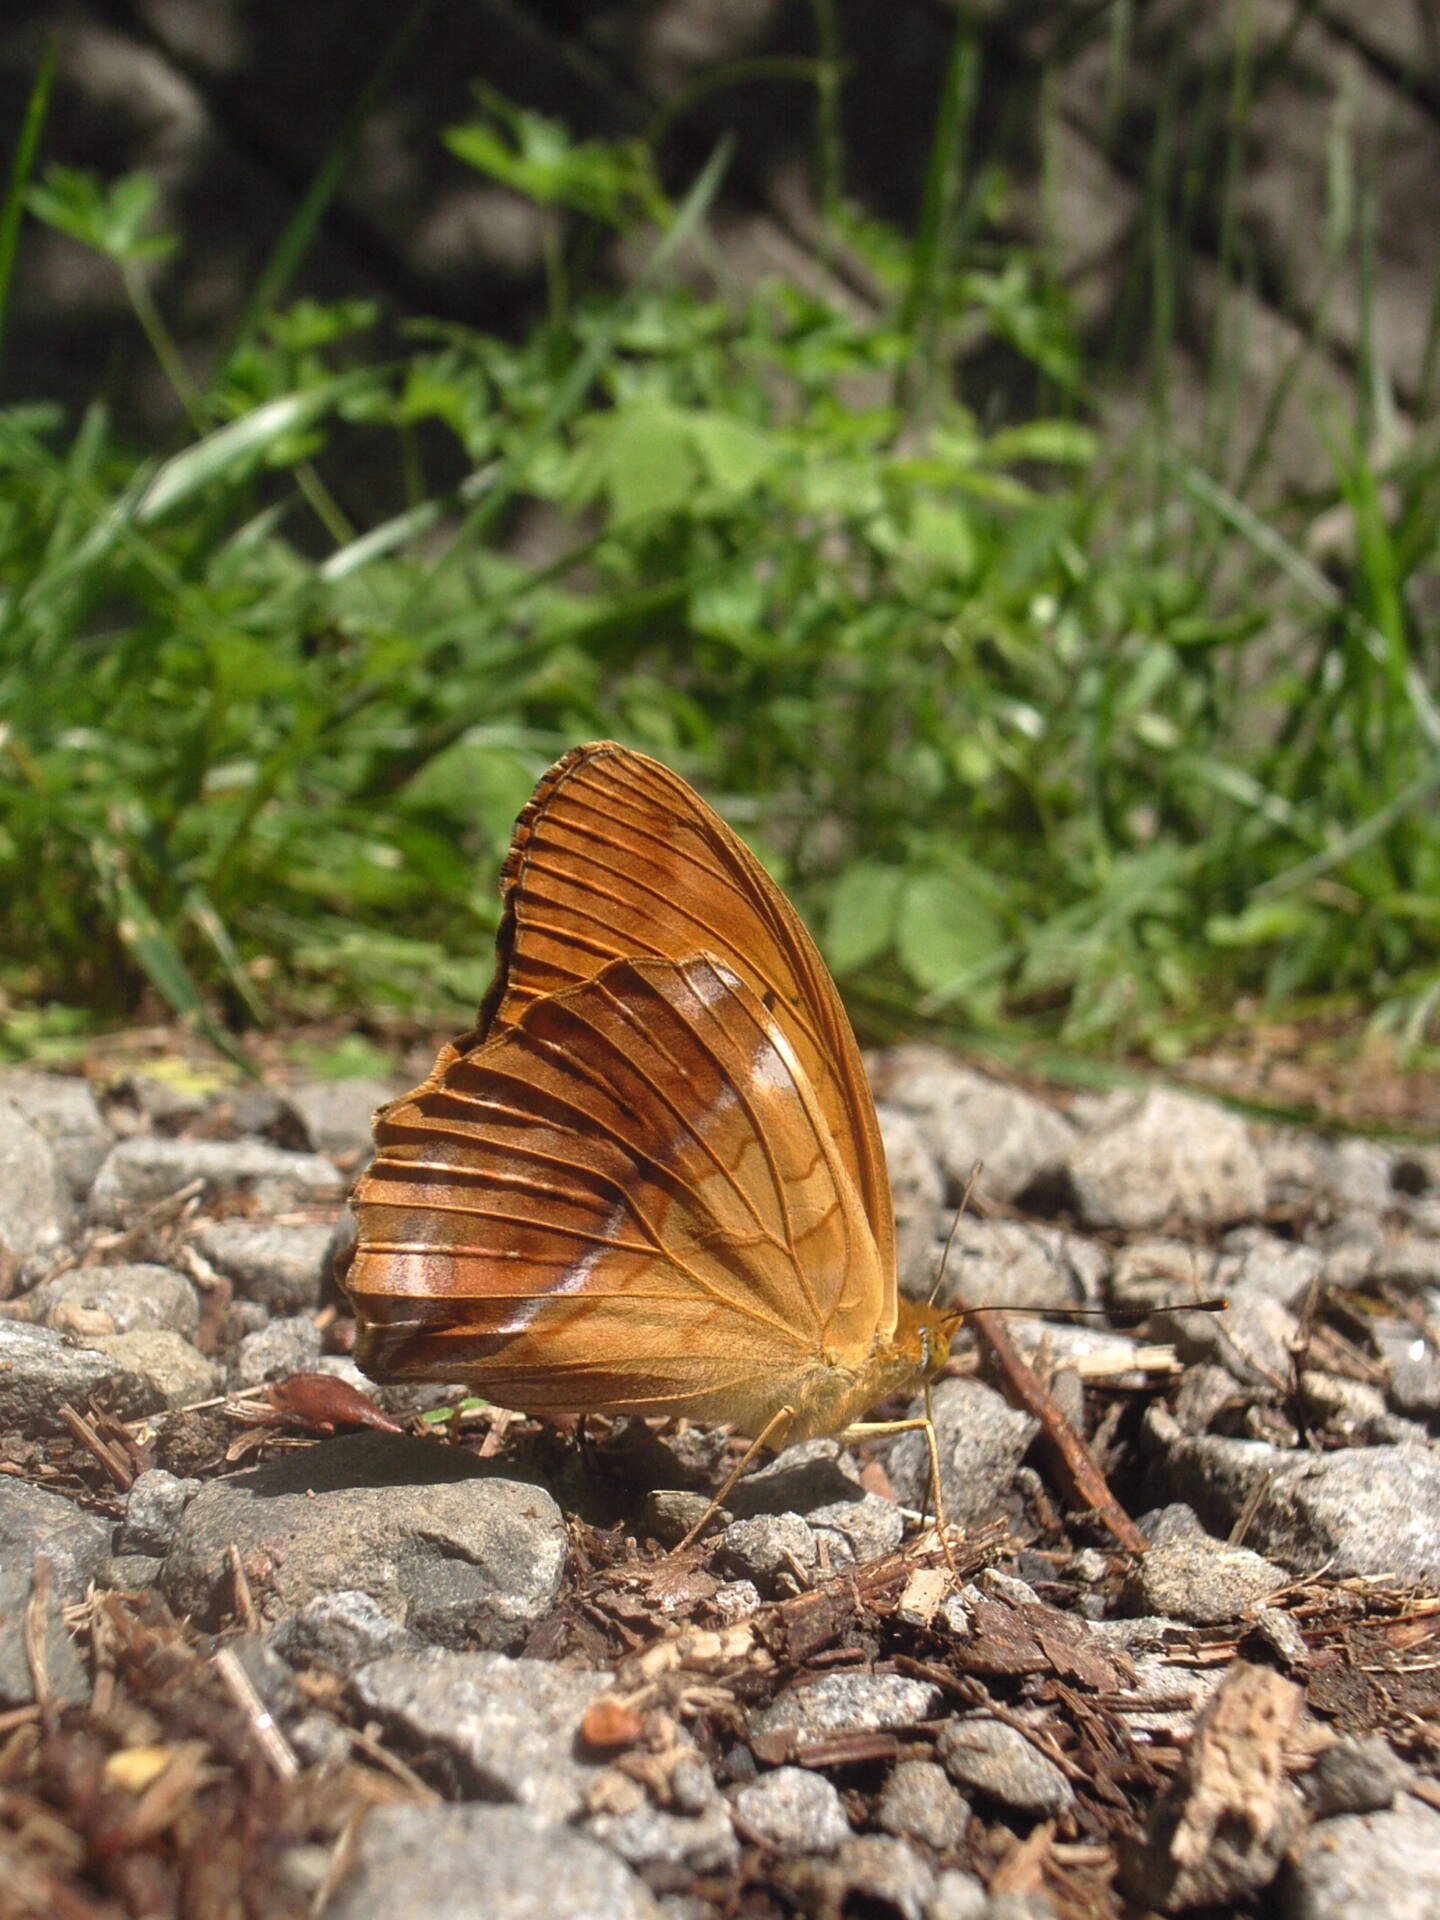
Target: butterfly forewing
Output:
[(616, 856), (629, 1198)]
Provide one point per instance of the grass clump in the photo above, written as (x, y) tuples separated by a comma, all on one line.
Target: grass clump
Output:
[(1035, 731)]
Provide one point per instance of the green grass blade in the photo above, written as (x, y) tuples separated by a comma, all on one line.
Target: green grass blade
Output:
[(13, 209)]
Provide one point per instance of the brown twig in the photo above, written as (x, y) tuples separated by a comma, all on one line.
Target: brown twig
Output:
[(1084, 1481), (246, 1610), (268, 1737), (114, 1463), (37, 1621)]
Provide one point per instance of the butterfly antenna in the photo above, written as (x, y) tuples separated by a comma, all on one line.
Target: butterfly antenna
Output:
[(960, 1213)]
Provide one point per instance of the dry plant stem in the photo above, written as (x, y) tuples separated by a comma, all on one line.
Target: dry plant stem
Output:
[(115, 1464), (1084, 1480), (756, 1447), (37, 1614), (245, 1607), (268, 1737)]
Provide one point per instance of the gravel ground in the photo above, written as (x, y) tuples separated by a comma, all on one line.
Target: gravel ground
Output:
[(277, 1641)]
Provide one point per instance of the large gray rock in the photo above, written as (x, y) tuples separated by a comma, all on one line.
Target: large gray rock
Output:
[(39, 1372), (337, 1114), (1201, 1580), (1019, 1263), (77, 1545), (1383, 1865), (919, 1195), (981, 1440), (139, 1172), (282, 1266), (177, 1373), (918, 1802), (132, 1298), (153, 1508), (447, 1548), (274, 1352), (792, 1810), (970, 1121), (1361, 1511), (479, 1863), (983, 1755), (1166, 1156), (509, 1728), (35, 1206), (849, 1703), (62, 1108)]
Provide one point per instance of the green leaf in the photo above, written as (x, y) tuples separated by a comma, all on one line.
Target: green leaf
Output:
[(944, 931), (860, 926)]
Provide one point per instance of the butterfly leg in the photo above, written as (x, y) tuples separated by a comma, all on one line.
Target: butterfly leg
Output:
[(762, 1440), (923, 1423)]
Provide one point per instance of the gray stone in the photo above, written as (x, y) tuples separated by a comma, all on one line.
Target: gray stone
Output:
[(34, 1197), (344, 1630), (670, 1512), (918, 1802), (446, 1547), (649, 1837), (478, 1863), (1413, 1388), (139, 1172), (1204, 1394), (1253, 1340), (133, 1572), (177, 1373), (1350, 1250), (736, 1600), (1351, 1175), (985, 1756), (885, 1874), (1365, 1510), (1383, 1865), (971, 1121), (768, 1550), (274, 1352), (282, 1266), (981, 1440), (816, 1473), (857, 1530), (793, 1811), (958, 1896), (337, 1114), (319, 1741), (1409, 1262), (63, 1109), (1355, 1776), (1201, 1580), (1353, 1410), (77, 1546), (1167, 1156), (1257, 1264), (153, 1508), (1155, 1272), (509, 1728), (133, 1299), (1017, 1263), (39, 1372), (849, 1703), (918, 1194)]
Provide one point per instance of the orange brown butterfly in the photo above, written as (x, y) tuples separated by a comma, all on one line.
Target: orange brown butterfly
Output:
[(651, 1180)]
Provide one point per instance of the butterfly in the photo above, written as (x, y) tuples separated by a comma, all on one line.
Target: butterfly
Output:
[(651, 1180)]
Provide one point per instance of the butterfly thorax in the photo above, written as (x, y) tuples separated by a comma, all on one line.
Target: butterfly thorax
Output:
[(830, 1395)]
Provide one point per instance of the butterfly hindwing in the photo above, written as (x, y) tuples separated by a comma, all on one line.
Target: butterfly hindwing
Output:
[(629, 1197), (616, 856)]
